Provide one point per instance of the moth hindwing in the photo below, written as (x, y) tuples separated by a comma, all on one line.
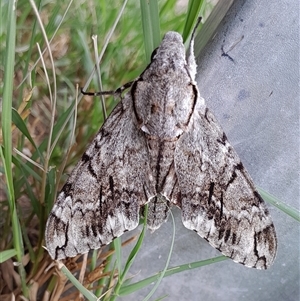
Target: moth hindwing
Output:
[(162, 146)]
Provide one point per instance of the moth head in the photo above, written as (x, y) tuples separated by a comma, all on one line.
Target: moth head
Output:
[(171, 48)]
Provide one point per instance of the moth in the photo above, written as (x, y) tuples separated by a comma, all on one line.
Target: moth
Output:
[(162, 146)]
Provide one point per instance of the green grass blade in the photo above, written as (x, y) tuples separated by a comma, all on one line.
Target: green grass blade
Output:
[(7, 99), (118, 252), (155, 23), (292, 212), (18, 121), (7, 254), (162, 274), (104, 282), (151, 28), (137, 246), (171, 271), (6, 154), (131, 257), (85, 292)]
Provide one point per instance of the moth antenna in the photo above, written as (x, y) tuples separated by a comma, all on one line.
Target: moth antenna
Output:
[(96, 93), (192, 66), (195, 28)]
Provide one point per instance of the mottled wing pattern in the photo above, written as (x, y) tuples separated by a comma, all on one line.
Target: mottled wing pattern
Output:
[(162, 145), (219, 200), (102, 197)]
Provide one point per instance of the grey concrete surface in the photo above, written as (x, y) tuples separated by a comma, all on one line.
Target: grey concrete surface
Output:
[(255, 96)]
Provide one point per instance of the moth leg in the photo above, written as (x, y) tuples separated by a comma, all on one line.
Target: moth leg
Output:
[(118, 91)]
